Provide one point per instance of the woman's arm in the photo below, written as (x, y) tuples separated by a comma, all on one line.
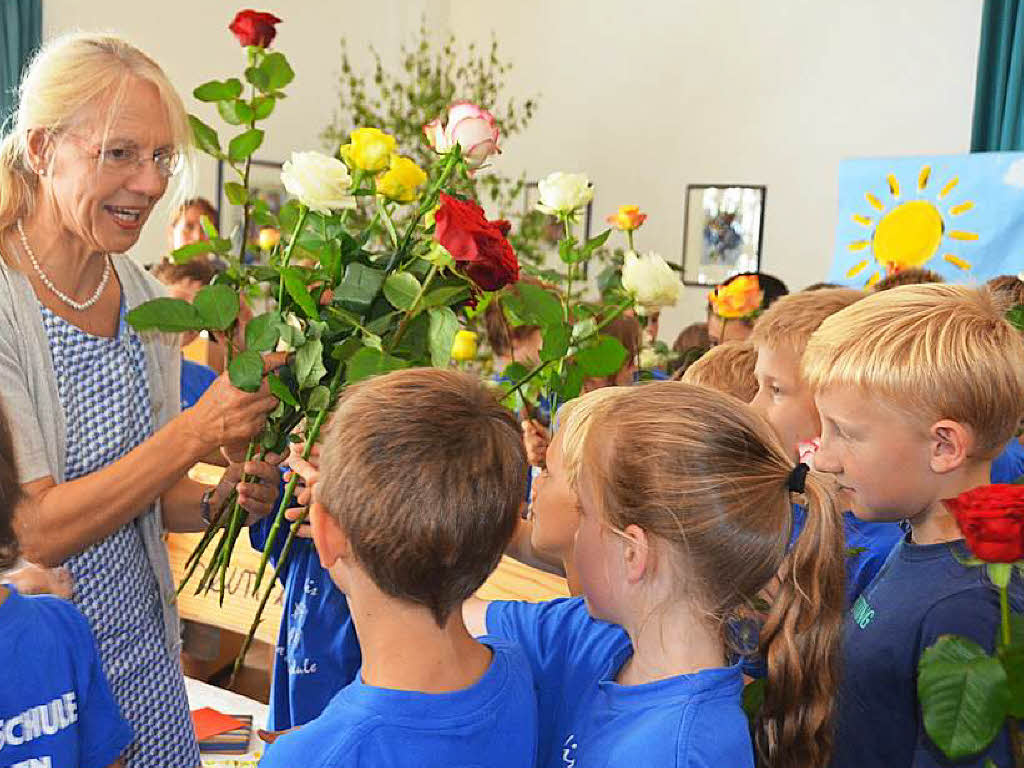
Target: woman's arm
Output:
[(56, 521)]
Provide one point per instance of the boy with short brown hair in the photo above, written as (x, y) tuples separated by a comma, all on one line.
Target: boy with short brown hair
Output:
[(729, 368), (918, 389), (422, 474)]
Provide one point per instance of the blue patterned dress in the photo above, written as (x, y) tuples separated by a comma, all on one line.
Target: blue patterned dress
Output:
[(103, 390)]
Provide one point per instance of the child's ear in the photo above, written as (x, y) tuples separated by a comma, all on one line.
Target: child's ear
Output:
[(951, 444), (329, 539), (637, 553)]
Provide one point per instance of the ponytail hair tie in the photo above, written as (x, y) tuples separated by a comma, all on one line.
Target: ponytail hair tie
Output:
[(798, 477)]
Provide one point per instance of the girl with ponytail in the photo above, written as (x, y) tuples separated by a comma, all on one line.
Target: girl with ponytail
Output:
[(684, 499)]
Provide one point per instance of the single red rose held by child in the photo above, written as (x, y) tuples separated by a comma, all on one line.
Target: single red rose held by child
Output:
[(992, 520), (254, 27), (478, 246)]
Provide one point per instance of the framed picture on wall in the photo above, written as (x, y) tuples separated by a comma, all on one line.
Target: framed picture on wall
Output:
[(264, 184), (542, 232), (722, 232)]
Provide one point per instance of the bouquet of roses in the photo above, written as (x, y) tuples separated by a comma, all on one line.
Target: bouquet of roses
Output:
[(349, 303)]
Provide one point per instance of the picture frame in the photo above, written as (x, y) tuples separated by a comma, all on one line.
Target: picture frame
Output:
[(264, 183), (723, 229)]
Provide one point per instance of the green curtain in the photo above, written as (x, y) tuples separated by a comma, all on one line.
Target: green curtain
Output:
[(998, 119), (21, 28)]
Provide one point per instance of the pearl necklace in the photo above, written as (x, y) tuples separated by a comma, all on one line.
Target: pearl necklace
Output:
[(80, 306)]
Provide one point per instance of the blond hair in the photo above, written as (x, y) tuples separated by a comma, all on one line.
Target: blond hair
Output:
[(791, 320), (728, 368), (709, 477), (68, 77), (425, 472), (935, 351), (912, 276)]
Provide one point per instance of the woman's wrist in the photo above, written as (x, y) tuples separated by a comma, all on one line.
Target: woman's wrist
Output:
[(189, 435)]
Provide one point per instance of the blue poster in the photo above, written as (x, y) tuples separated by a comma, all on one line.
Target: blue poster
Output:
[(959, 215)]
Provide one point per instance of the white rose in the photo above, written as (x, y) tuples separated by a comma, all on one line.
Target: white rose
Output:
[(563, 193), (320, 182), (650, 280)]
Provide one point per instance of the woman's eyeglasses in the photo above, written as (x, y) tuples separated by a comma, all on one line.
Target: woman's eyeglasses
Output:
[(127, 157)]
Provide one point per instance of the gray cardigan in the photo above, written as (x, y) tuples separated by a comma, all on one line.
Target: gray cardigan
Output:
[(28, 389)]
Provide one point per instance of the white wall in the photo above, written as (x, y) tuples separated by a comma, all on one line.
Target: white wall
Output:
[(645, 97)]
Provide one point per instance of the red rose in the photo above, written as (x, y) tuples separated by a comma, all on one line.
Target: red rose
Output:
[(992, 520), (254, 27), (477, 245)]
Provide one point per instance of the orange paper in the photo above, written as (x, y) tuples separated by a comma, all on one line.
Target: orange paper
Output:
[(209, 722)]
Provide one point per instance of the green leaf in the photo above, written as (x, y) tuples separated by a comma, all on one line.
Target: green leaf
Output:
[(319, 399), (359, 287), (401, 289), (567, 250), (236, 193), (1012, 659), (371, 362), (246, 370), (603, 358), (277, 70), (556, 342), (262, 106), (165, 314), (257, 77), (217, 305), (205, 137), (753, 697), (445, 296), (187, 252), (235, 112), (594, 243), (345, 350), (441, 335), (964, 695), (208, 227), (309, 364), (262, 332), (281, 391), (542, 305), (243, 145), (572, 384), (216, 90), (296, 288), (1015, 316), (514, 372)]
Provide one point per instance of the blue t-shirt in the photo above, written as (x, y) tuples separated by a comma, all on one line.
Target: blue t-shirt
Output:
[(195, 379), (875, 539), (55, 705), (587, 719), (492, 723), (317, 650), (1008, 465), (921, 592)]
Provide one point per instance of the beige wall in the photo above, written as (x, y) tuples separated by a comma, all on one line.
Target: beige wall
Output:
[(646, 97)]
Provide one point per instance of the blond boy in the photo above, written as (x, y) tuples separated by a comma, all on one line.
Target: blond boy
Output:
[(728, 368), (422, 474), (918, 389), (786, 401)]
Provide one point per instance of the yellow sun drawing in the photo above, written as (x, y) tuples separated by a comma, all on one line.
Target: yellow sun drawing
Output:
[(908, 234)]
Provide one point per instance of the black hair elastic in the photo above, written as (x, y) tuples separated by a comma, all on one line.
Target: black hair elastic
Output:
[(798, 477)]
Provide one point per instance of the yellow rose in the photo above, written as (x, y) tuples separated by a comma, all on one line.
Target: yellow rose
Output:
[(741, 298), (269, 237), (464, 348), (370, 149), (400, 181)]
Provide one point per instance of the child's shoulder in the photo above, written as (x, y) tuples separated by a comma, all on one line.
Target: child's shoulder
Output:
[(45, 615)]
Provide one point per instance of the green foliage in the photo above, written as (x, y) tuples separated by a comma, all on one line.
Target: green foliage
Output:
[(964, 695)]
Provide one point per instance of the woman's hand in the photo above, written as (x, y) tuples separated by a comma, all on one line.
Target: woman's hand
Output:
[(257, 497), (227, 416)]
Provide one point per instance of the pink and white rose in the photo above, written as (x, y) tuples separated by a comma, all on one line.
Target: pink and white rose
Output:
[(471, 127)]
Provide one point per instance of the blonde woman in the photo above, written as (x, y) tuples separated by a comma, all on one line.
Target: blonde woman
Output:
[(102, 449)]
